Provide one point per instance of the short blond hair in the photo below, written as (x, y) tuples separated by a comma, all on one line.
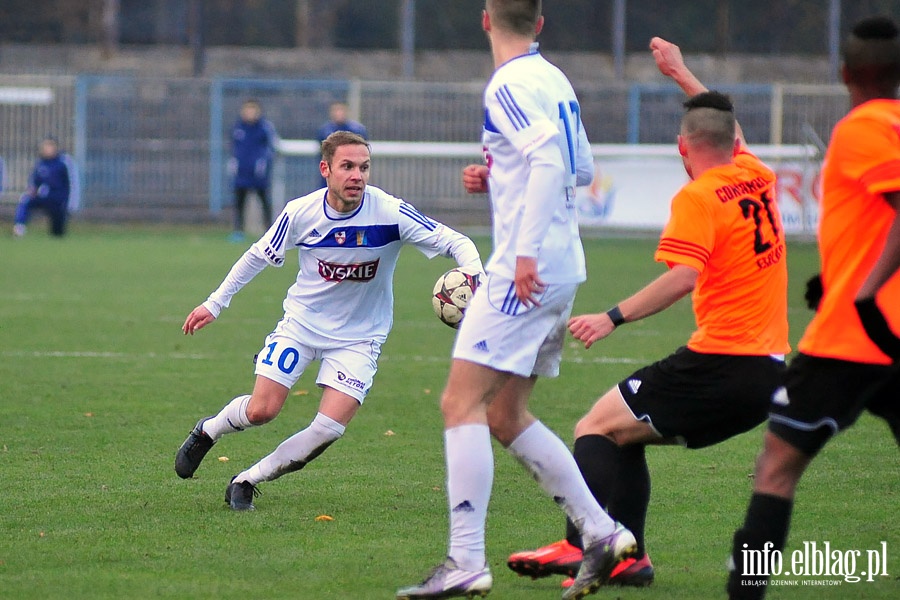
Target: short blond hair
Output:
[(338, 139)]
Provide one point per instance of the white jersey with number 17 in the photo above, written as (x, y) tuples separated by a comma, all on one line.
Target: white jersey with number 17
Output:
[(529, 103)]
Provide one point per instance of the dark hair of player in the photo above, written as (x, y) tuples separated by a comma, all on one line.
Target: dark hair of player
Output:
[(338, 139), (871, 54), (716, 100), (709, 121), (516, 16)]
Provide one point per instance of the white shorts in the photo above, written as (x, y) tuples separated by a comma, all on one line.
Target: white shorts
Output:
[(348, 367), (500, 333)]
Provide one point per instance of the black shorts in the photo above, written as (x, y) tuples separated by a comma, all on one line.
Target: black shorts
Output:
[(824, 396), (703, 399)]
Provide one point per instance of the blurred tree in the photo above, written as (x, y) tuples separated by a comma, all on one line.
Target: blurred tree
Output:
[(249, 23), (370, 24), (723, 27), (708, 26), (111, 12), (316, 22)]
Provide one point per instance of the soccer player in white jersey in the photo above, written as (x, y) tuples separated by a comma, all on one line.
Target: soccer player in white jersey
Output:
[(339, 311), (536, 152)]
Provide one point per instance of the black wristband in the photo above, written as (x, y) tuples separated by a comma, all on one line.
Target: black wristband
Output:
[(615, 315)]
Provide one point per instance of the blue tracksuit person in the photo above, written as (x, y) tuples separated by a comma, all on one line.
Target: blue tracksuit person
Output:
[(52, 188), (253, 140), (338, 120)]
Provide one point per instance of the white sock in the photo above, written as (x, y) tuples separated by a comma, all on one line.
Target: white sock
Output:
[(230, 419), (548, 459), (295, 452), (470, 475)]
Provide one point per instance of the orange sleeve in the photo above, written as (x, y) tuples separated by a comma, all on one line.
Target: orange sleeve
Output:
[(689, 236), (871, 153)]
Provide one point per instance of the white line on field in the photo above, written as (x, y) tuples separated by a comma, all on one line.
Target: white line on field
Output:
[(605, 360), (578, 360), (77, 354)]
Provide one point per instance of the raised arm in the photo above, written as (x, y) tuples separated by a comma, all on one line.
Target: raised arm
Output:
[(670, 63)]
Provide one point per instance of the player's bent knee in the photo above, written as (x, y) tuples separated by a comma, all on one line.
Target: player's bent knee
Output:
[(456, 410), (453, 413), (592, 424), (506, 431), (608, 416), (262, 414)]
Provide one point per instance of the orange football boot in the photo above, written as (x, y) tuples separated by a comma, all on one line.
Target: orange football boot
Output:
[(559, 558)]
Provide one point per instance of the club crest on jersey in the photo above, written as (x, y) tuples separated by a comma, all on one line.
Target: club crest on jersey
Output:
[(340, 237), (354, 272)]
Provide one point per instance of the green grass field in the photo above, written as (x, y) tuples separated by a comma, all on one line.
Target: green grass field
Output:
[(98, 388)]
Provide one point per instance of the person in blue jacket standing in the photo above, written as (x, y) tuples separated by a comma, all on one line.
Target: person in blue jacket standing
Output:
[(52, 188), (253, 140), (339, 120)]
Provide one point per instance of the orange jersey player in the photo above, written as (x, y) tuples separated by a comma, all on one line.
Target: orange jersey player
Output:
[(726, 225), (855, 221), (849, 353), (724, 244)]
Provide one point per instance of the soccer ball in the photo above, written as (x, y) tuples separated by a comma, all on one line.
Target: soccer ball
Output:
[(452, 294)]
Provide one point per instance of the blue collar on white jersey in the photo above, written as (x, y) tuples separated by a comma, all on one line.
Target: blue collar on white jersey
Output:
[(333, 215)]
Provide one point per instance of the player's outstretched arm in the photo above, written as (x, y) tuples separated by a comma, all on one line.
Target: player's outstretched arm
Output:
[(248, 266), (464, 252), (670, 63), (199, 318), (474, 178), (656, 296)]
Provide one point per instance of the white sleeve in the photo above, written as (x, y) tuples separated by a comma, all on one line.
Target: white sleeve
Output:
[(436, 239), (584, 161), (542, 197), (248, 266), (275, 242)]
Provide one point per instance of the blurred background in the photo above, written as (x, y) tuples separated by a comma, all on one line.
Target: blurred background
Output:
[(143, 93)]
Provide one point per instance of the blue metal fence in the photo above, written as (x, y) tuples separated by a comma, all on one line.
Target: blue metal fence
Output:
[(156, 148)]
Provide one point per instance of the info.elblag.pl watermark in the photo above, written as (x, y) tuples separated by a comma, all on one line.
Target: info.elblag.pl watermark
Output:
[(814, 564)]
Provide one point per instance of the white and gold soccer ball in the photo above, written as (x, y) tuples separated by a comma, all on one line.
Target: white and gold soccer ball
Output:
[(452, 294)]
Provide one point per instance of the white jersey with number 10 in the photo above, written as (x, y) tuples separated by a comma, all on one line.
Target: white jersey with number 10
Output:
[(344, 287)]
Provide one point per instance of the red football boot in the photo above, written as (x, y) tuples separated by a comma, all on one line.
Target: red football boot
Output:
[(559, 558)]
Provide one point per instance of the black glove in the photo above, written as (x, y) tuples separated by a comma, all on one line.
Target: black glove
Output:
[(814, 291), (877, 327)]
